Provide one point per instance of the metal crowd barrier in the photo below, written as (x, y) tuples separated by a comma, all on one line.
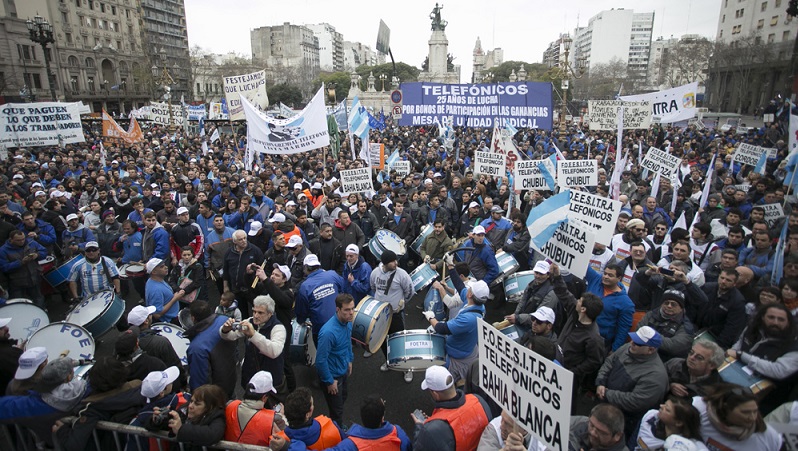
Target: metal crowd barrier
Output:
[(18, 438)]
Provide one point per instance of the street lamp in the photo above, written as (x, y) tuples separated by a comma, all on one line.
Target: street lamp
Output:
[(41, 32), (566, 72), (165, 80), (382, 78)]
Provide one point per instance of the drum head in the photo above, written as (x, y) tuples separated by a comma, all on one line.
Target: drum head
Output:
[(46, 260), (175, 336), (26, 318), (92, 308), (372, 321), (390, 241), (60, 337), (134, 269), (184, 317)]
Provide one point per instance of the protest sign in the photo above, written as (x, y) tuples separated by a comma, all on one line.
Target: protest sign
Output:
[(604, 114), (577, 173), (356, 180), (570, 247), (670, 105), (304, 132), (195, 112), (401, 167), (528, 176), (502, 143), (40, 124), (600, 213), (773, 212), (744, 187), (489, 163), (250, 86), (521, 104), (377, 155), (748, 154), (533, 389), (159, 114), (661, 162)]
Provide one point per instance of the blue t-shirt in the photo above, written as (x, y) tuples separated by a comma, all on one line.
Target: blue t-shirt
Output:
[(159, 294)]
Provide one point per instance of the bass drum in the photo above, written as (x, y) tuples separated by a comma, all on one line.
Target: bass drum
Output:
[(371, 323), (99, 312), (302, 350), (26, 318), (60, 337), (175, 336)]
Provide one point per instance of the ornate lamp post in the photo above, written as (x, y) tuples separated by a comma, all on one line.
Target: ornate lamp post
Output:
[(566, 72), (41, 32), (383, 77), (165, 80)]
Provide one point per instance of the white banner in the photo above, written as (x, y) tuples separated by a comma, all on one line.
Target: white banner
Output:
[(671, 105), (249, 86), (159, 114), (532, 388), (604, 114), (600, 213), (661, 162), (216, 111), (748, 154), (773, 212), (577, 173), (356, 180), (489, 163), (195, 112), (40, 124), (571, 247), (401, 167), (528, 176), (303, 132)]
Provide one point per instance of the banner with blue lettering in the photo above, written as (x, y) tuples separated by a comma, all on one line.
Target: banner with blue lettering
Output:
[(521, 104), (195, 112)]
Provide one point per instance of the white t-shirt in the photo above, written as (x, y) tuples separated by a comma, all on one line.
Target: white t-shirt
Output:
[(716, 441)]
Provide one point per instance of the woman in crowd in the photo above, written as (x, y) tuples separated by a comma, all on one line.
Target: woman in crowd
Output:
[(188, 275), (676, 416), (204, 423), (789, 294)]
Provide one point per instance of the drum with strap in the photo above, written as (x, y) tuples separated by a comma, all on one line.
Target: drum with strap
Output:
[(426, 231), (415, 350), (371, 323), (515, 284), (507, 266), (423, 276), (176, 337), (98, 313), (26, 318), (61, 274), (302, 350), (47, 264), (384, 240), (64, 336)]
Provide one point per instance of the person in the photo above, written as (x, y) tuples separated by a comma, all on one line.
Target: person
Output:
[(228, 306), (760, 257), (138, 363), (723, 313), (543, 320), (19, 258), (393, 285), (436, 245), (278, 286), (204, 423), (673, 325), (218, 241), (315, 300), (517, 242), (347, 232), (676, 416), (75, 237), (253, 420), (633, 377), (730, 419), (209, 357), (375, 432), (503, 433), (237, 274), (539, 293), (691, 376), (496, 227), (29, 369), (334, 356), (154, 240), (185, 233), (481, 260), (315, 433), (159, 294), (615, 319), (635, 231), (602, 430), (357, 273), (95, 273), (9, 354), (461, 332), (458, 419), (264, 344), (150, 341), (38, 230), (158, 388)]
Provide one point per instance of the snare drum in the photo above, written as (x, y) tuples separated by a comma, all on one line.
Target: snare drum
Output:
[(423, 276), (384, 240), (26, 318), (60, 337), (371, 323), (425, 232), (302, 350), (47, 265), (515, 285), (61, 274), (415, 350), (735, 372), (434, 303), (184, 318), (134, 271), (176, 338), (507, 265), (512, 332), (98, 313)]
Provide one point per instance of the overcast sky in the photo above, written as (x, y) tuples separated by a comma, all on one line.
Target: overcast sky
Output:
[(522, 28)]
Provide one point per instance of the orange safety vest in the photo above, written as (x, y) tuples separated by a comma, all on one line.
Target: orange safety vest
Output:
[(387, 442), (256, 432), (288, 235), (467, 422), (328, 437)]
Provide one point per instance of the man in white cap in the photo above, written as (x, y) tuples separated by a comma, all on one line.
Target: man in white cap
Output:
[(621, 242), (497, 227), (253, 421), (30, 363), (542, 326), (356, 273), (185, 233), (9, 355), (75, 237), (469, 220), (296, 257), (482, 259), (461, 331), (95, 273), (315, 300), (150, 341), (539, 293), (458, 419), (159, 294)]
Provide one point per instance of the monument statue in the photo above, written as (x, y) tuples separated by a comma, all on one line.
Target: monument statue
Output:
[(437, 22)]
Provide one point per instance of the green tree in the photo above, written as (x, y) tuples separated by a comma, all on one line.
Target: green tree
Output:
[(502, 72), (288, 94), (338, 80), (404, 71)]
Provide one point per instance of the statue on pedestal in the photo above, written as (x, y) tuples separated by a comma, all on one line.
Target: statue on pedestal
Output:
[(437, 22)]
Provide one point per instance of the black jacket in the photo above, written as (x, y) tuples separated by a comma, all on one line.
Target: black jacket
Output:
[(207, 431), (235, 265), (723, 315), (580, 345)]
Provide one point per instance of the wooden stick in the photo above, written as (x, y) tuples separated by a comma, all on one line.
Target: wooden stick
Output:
[(501, 325), (255, 282)]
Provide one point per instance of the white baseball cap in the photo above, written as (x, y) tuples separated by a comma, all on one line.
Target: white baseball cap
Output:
[(254, 228), (39, 193), (478, 230), (298, 186), (437, 378), (4, 322), (91, 244), (71, 216), (311, 260), (139, 314), (153, 263), (261, 383), (352, 248), (156, 382), (542, 267), (182, 210), (283, 269), (279, 217), (295, 241), (316, 185), (480, 290), (29, 362), (544, 314), (473, 205)]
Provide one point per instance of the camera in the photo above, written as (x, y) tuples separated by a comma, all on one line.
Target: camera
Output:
[(162, 418), (236, 326)]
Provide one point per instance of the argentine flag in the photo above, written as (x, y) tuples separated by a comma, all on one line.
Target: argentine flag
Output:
[(358, 126), (546, 174), (547, 217)]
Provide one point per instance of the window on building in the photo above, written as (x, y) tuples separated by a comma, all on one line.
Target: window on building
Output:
[(127, 13), (74, 84), (33, 81), (101, 24), (774, 21), (119, 45), (198, 88), (758, 40), (26, 52), (720, 35), (777, 3), (785, 36), (89, 62), (102, 7), (760, 24), (739, 13), (90, 84), (723, 19), (764, 6), (85, 41), (68, 37), (113, 10), (91, 4), (77, 3), (771, 38)]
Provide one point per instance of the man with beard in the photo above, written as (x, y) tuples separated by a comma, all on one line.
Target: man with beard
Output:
[(603, 430), (436, 245), (635, 231), (469, 220), (38, 230), (517, 242), (186, 233), (168, 216), (659, 239), (95, 272), (672, 324), (108, 232)]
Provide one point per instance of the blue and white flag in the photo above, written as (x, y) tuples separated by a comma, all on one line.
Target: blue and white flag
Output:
[(547, 217), (546, 174), (375, 123), (778, 259), (762, 163), (339, 112), (509, 127), (358, 125)]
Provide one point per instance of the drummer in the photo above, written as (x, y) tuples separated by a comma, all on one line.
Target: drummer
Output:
[(96, 273), (436, 245)]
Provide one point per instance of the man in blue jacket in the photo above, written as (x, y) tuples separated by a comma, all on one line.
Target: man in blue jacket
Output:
[(316, 298), (19, 258), (334, 355), (211, 360), (154, 239), (356, 274), (375, 433), (481, 260), (38, 230), (497, 227), (615, 320)]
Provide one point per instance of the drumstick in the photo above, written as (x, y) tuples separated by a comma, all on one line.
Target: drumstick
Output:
[(255, 282), (501, 325)]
